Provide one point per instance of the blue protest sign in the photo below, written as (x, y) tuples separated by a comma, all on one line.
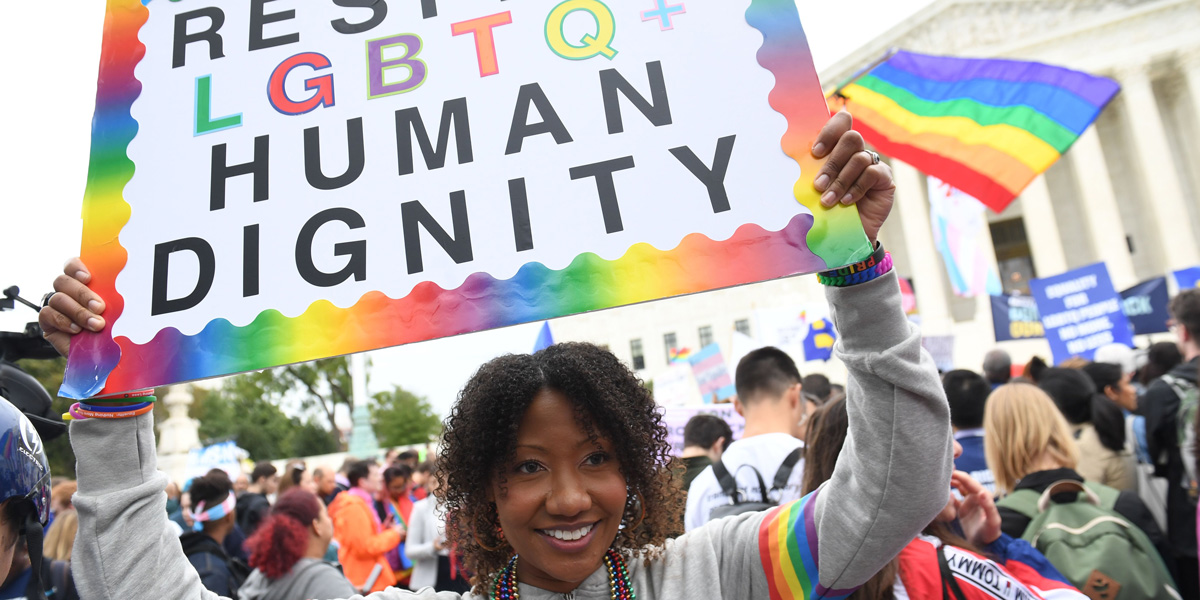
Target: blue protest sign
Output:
[(1188, 278), (1016, 318), (1080, 312), (1145, 305)]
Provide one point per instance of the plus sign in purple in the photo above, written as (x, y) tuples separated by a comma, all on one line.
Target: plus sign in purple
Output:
[(663, 13)]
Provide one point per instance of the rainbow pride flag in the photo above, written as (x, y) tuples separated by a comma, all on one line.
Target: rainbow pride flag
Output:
[(985, 126)]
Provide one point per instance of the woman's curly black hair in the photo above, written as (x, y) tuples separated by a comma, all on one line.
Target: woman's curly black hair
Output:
[(480, 438)]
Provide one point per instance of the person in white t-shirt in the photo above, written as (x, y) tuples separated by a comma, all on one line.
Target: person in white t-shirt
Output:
[(769, 398)]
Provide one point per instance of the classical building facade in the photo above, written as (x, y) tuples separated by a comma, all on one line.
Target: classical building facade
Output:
[(1126, 194)]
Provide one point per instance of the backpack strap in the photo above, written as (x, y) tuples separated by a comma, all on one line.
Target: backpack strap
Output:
[(949, 582), (785, 470), (729, 483)]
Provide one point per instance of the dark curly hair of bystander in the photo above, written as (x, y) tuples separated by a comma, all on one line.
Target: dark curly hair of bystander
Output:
[(610, 402)]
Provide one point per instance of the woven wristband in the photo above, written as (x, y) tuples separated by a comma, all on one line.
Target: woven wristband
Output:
[(874, 267)]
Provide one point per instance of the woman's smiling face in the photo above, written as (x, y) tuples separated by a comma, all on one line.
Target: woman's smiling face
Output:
[(563, 496)]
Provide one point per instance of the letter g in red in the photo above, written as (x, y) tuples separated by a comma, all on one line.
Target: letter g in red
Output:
[(323, 85)]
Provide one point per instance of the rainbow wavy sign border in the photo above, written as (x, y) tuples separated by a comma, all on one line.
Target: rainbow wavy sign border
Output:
[(101, 364)]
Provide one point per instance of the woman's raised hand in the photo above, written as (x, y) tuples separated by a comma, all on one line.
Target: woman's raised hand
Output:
[(977, 511), (852, 174), (73, 307)]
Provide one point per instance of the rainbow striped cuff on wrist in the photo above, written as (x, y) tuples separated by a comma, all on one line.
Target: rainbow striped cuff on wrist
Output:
[(872, 268)]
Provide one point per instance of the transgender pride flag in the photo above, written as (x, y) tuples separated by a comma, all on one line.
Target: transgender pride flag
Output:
[(712, 375), (958, 222)]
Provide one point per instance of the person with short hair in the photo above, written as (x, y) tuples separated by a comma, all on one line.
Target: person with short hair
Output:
[(705, 438), (997, 367), (1169, 405), (817, 387), (327, 486), (240, 484), (287, 550), (215, 515), (967, 393), (409, 458), (1161, 358), (768, 397), (253, 506), (363, 539)]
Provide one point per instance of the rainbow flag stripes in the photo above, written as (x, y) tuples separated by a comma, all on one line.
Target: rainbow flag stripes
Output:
[(985, 126), (787, 543)]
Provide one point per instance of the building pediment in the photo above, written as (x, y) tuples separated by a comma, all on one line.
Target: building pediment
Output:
[(1018, 28)]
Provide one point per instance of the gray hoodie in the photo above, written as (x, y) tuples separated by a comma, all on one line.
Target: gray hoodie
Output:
[(310, 579), (891, 479)]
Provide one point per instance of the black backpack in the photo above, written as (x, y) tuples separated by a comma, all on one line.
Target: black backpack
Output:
[(740, 505)]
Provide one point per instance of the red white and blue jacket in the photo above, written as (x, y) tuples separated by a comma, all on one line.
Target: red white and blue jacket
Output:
[(1019, 572)]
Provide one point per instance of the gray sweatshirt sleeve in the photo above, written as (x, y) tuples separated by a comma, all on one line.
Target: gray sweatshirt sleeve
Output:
[(124, 549), (893, 475)]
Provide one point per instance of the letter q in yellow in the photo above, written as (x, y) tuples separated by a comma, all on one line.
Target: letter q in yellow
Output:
[(590, 45)]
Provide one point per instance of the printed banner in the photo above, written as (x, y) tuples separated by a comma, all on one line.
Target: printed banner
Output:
[(1145, 305), (1080, 312), (676, 418), (1016, 318), (958, 222), (712, 374), (272, 184), (1188, 278)]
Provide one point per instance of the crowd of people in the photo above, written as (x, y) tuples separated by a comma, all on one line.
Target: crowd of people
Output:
[(555, 479), (1116, 434)]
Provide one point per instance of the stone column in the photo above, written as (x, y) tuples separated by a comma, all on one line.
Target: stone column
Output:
[(913, 206), (1164, 194), (1100, 208), (1190, 62), (178, 434), (1041, 227)]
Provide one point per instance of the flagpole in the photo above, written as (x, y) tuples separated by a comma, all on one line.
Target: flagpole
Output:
[(863, 71)]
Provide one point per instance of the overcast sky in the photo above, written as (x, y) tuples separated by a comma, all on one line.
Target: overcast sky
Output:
[(50, 86)]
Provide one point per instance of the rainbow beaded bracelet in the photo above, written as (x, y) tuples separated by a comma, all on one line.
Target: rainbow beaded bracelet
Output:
[(874, 267)]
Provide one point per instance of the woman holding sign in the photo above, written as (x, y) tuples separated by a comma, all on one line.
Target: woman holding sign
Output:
[(558, 473)]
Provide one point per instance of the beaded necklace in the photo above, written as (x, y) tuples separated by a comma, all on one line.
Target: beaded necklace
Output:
[(619, 585)]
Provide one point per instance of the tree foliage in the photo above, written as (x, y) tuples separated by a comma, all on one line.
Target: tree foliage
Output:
[(245, 410), (400, 417)]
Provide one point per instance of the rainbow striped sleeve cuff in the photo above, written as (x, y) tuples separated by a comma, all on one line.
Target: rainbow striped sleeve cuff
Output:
[(787, 543)]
